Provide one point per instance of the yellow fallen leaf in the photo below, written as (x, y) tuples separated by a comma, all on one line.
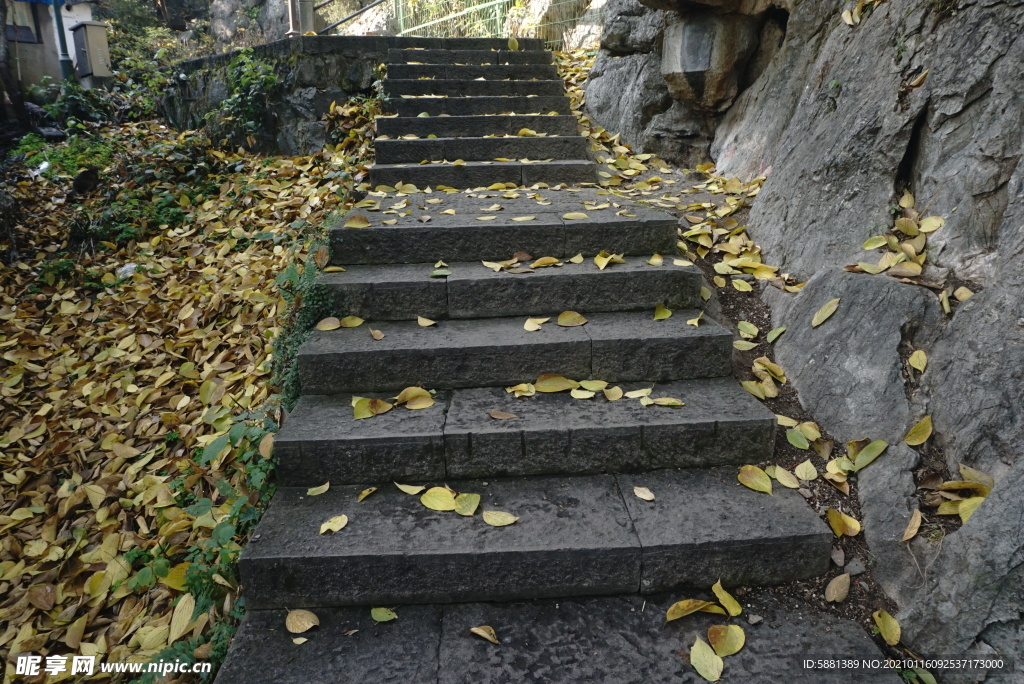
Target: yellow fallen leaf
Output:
[(351, 322), (687, 606), (570, 319), (613, 393), (486, 631), (466, 504), (727, 640), (731, 605), (410, 489), (383, 615), (918, 360), (329, 323), (334, 524), (498, 518), (334, 269), (317, 491), (838, 589), (575, 216), (524, 218), (358, 221), (513, 45), (425, 322), (913, 526), (786, 478), (806, 471), (661, 312), (705, 661), (755, 478), (554, 383), (299, 621), (842, 524), (365, 493), (582, 394), (920, 433), (533, 324), (887, 626), (578, 259), (825, 312), (438, 499), (695, 322), (643, 493)]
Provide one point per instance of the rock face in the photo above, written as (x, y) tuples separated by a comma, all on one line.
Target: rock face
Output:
[(692, 64), (927, 97)]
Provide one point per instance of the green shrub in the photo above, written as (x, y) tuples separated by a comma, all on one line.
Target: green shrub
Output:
[(241, 115)]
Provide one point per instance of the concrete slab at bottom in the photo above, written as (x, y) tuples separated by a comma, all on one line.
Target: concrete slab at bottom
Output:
[(617, 640)]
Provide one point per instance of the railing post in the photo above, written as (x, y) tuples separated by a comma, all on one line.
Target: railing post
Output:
[(306, 16), (294, 22), (300, 17)]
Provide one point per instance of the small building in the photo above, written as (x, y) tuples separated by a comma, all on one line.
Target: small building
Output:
[(32, 36)]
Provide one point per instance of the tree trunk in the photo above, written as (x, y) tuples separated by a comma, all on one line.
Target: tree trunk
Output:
[(173, 13), (6, 77)]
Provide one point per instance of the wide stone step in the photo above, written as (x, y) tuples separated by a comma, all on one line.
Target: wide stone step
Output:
[(613, 640), (475, 126), (396, 88), (472, 106), (412, 43), (719, 424), (578, 536), (488, 352), (474, 174), (491, 72), (468, 56), (427, 235), (482, 149), (404, 291)]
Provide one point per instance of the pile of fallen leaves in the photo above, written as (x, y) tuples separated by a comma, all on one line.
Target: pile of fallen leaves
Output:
[(137, 411)]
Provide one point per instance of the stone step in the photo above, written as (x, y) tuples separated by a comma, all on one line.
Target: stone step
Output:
[(474, 174), (404, 291), (395, 88), (719, 424), (465, 106), (492, 72), (492, 352), (412, 43), (613, 640), (631, 230), (468, 56), (481, 149), (577, 536), (475, 126)]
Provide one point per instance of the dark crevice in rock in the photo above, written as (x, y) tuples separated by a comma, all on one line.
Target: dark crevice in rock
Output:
[(772, 36), (905, 170)]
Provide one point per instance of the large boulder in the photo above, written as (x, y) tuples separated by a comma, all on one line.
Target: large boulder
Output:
[(849, 373), (703, 57)]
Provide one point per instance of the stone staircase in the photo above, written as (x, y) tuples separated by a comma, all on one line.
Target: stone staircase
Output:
[(566, 467)]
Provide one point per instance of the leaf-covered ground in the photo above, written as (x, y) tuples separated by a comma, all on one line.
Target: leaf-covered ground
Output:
[(136, 334)]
